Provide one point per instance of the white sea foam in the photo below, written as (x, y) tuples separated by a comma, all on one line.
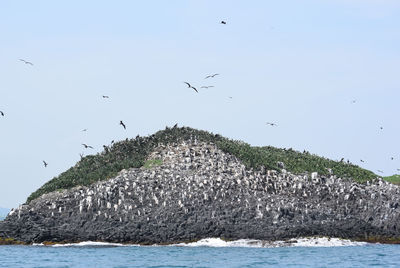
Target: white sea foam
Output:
[(299, 242), (88, 244), (217, 242)]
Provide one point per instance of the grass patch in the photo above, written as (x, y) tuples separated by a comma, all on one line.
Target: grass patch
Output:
[(395, 179), (152, 163), (134, 152)]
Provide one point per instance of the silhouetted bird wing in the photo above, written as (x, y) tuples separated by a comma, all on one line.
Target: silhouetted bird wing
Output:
[(122, 124), (187, 84), (1, 112), (44, 163), (195, 89), (26, 62)]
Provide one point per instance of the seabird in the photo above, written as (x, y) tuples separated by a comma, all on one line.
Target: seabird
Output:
[(190, 86), (223, 22), (87, 146), (44, 163), (353, 101), (176, 125), (105, 97), (271, 124), (81, 155), (381, 127), (84, 129), (206, 86), (362, 160), (26, 62), (211, 76), (392, 158), (122, 124), (380, 171), (1, 112)]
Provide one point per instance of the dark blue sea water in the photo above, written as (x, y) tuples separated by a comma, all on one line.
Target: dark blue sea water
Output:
[(173, 256)]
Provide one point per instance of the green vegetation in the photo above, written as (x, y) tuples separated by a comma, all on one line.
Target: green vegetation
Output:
[(133, 153), (152, 163), (395, 179)]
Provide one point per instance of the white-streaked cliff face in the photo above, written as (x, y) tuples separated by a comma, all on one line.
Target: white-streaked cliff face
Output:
[(197, 190)]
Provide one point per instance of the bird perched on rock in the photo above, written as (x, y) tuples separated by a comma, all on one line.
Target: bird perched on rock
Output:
[(190, 86), (45, 163), (122, 124), (211, 76), (87, 146), (26, 62)]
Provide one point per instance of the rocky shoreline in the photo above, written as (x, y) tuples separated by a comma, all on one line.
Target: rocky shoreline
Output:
[(195, 191)]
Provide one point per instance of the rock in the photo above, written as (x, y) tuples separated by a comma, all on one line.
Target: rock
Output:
[(199, 192), (280, 165)]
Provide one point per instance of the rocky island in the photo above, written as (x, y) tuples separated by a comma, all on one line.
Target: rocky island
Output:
[(182, 184)]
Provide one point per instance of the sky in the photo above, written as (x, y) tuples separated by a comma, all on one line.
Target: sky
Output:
[(299, 64)]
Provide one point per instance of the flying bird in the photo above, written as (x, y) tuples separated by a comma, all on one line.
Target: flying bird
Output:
[(122, 124), (87, 146), (362, 160), (176, 125), (381, 127), (81, 155), (380, 171), (44, 163), (84, 129), (26, 62), (190, 86), (272, 124), (211, 76), (105, 97), (206, 86), (223, 22), (392, 158), (1, 112), (353, 101)]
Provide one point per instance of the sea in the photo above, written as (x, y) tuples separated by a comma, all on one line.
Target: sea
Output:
[(211, 252)]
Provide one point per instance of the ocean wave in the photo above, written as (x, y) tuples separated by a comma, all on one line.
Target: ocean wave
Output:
[(88, 244), (295, 242), (218, 242)]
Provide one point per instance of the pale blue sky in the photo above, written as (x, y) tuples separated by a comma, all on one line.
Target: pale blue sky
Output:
[(296, 63)]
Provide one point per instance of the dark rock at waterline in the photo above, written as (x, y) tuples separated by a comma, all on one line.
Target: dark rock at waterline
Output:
[(200, 192)]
